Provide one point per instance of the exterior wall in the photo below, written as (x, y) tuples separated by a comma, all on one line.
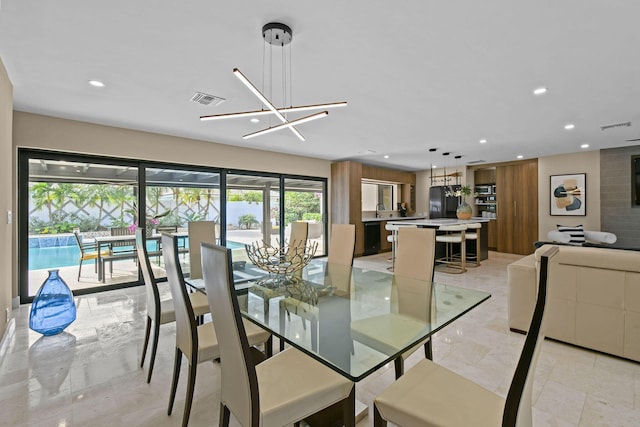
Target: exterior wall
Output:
[(583, 162), (7, 196), (618, 216)]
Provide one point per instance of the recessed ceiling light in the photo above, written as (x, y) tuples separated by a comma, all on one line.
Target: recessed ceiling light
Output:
[(540, 91), (96, 83), (254, 120), (483, 141), (433, 166), (520, 156), (569, 126), (386, 156), (584, 146)]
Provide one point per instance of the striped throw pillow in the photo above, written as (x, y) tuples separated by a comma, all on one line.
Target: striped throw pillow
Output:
[(575, 231)]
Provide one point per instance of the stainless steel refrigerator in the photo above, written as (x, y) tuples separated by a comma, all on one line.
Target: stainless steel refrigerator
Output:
[(441, 206)]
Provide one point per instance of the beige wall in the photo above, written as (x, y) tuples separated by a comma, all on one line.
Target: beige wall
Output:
[(6, 196), (584, 162), (36, 131)]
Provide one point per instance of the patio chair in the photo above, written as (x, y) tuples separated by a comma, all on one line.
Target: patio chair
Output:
[(88, 252)]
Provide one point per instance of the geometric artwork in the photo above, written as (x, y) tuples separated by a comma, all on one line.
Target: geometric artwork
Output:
[(568, 195)]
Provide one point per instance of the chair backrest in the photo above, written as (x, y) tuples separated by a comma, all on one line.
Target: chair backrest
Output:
[(412, 297), (297, 238), (150, 284), (120, 231), (239, 391), (342, 244), (517, 408), (199, 232), (79, 242), (186, 332), (415, 253)]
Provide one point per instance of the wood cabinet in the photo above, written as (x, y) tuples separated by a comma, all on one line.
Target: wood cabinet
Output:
[(346, 195), (517, 195), (492, 231)]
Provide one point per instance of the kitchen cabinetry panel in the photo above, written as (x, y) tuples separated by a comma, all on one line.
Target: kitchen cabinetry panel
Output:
[(517, 196)]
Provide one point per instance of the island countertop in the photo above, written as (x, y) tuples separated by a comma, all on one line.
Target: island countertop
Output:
[(438, 222), (393, 218)]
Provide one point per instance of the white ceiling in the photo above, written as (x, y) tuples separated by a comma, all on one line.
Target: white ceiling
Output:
[(417, 74)]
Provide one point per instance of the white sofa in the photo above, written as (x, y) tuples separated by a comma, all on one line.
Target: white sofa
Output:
[(593, 298)]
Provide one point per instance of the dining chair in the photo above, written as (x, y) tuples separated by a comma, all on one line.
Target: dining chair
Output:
[(88, 252), (341, 249), (199, 231), (431, 395), (283, 389), (473, 233), (410, 299), (159, 312), (297, 239), (198, 343), (342, 244)]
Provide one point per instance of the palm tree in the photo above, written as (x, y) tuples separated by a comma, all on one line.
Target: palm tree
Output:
[(42, 195)]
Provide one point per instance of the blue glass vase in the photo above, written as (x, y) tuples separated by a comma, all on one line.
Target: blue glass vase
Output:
[(53, 308)]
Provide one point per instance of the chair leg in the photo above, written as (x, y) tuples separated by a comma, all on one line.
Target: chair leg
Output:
[(176, 376), (79, 270), (146, 341), (154, 349), (378, 421), (224, 415), (268, 347), (349, 409), (191, 385), (428, 350), (399, 364)]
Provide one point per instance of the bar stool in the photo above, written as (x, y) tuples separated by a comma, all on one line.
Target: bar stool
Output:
[(473, 233), (454, 234)]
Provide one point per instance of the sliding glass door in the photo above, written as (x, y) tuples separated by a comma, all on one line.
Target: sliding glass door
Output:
[(71, 208)]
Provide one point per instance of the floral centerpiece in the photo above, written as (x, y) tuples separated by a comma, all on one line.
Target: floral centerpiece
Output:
[(464, 210)]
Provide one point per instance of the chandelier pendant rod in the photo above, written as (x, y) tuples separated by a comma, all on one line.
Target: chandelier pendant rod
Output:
[(265, 112), (288, 124)]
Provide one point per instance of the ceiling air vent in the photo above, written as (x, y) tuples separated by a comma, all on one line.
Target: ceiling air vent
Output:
[(615, 125), (205, 99)]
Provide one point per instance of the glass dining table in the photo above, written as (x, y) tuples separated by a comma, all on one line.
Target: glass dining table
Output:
[(353, 320)]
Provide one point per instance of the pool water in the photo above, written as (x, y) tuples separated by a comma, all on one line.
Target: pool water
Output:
[(67, 256)]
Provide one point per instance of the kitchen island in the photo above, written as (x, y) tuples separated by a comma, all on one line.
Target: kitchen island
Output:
[(471, 244)]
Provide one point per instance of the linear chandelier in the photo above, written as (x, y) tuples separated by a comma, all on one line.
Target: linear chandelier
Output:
[(279, 35)]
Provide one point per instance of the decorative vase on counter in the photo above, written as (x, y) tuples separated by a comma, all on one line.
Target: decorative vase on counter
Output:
[(53, 308), (464, 210)]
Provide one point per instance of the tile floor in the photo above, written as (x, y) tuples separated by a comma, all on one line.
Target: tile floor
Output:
[(89, 374)]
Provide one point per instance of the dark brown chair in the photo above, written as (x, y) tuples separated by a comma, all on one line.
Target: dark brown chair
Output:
[(283, 389), (431, 395)]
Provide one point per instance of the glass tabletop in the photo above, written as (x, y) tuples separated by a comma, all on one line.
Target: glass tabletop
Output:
[(351, 319)]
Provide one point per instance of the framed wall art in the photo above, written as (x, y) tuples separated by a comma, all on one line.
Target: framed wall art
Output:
[(568, 195)]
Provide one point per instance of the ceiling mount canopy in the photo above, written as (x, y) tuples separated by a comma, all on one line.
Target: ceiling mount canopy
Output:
[(278, 35)]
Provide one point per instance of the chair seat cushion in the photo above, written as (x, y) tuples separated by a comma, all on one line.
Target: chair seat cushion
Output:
[(255, 334), (293, 383), (207, 343), (431, 395), (388, 333), (199, 303)]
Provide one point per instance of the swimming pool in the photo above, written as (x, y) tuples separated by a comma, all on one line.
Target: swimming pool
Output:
[(67, 256)]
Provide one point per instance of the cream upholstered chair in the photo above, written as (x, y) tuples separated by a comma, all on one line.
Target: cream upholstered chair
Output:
[(159, 311), (88, 252), (297, 238), (431, 395), (410, 298), (198, 343), (342, 244), (453, 235), (199, 232), (473, 233), (283, 389), (341, 248)]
